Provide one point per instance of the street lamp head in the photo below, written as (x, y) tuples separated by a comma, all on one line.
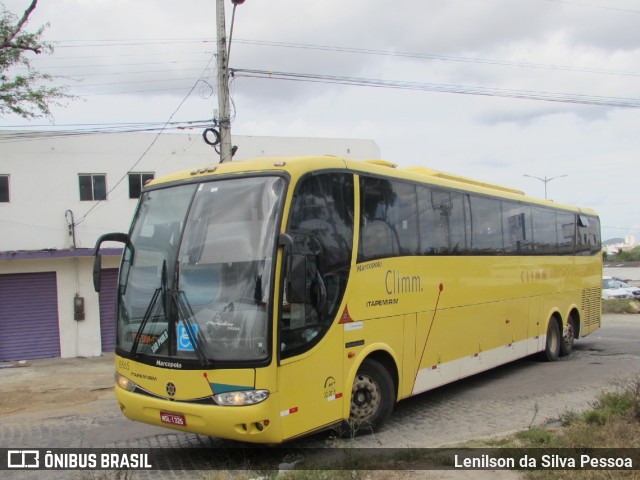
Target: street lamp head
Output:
[(545, 180)]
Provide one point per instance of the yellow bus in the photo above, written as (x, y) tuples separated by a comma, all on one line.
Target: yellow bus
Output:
[(263, 300)]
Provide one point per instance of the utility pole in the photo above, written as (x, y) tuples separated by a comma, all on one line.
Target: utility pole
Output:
[(224, 119)]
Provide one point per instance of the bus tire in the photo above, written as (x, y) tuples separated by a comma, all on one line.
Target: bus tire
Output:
[(551, 350), (568, 337), (372, 397)]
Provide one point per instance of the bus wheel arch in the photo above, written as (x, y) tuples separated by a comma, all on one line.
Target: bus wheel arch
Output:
[(570, 333), (373, 393), (553, 339)]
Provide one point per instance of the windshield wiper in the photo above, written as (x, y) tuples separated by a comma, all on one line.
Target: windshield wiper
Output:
[(145, 319), (185, 311), (147, 314)]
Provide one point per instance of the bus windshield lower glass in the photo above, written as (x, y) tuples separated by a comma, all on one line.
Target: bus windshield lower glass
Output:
[(196, 281)]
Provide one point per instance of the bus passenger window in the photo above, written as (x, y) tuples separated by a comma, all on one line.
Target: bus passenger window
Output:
[(486, 221), (566, 228), (434, 207), (516, 226), (389, 219), (545, 233)]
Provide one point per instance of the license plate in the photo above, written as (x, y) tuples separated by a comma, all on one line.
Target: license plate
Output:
[(173, 418)]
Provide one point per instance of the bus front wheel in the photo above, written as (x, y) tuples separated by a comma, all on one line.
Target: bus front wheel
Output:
[(552, 345), (372, 397)]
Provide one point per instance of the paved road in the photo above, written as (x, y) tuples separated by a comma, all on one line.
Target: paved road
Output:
[(494, 403)]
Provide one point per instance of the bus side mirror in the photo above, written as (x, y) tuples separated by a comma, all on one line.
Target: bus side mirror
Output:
[(97, 270), (295, 271), (97, 262), (297, 282)]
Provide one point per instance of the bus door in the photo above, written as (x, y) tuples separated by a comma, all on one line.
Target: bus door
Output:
[(310, 384), (310, 373), (311, 349)]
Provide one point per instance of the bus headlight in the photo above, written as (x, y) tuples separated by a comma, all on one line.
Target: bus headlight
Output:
[(245, 397), (125, 383)]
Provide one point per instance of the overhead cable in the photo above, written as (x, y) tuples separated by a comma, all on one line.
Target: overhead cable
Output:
[(435, 87)]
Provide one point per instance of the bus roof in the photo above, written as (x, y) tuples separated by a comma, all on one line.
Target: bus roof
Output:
[(298, 166)]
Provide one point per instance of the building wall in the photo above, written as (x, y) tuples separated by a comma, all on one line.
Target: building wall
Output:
[(44, 179), (44, 193)]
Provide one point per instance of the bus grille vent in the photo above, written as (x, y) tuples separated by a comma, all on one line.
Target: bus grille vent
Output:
[(591, 306)]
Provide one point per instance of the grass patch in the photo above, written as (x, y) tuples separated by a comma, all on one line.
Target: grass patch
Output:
[(310, 475), (624, 305), (613, 421)]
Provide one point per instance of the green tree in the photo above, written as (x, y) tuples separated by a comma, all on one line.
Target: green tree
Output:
[(24, 90), (632, 255)]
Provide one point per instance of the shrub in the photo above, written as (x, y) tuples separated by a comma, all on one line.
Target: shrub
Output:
[(620, 306)]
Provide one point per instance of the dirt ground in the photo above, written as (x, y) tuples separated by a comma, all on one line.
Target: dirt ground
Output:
[(46, 384)]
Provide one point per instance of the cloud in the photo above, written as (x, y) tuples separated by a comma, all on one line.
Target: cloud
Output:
[(157, 50)]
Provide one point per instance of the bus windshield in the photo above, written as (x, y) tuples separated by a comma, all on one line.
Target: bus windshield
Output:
[(195, 281)]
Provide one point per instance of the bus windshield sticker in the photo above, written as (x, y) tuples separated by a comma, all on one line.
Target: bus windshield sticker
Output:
[(184, 342), (160, 341)]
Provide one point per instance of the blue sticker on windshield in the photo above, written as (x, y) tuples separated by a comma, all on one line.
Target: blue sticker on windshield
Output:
[(184, 342)]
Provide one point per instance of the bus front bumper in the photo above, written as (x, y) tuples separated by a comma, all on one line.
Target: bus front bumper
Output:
[(258, 423)]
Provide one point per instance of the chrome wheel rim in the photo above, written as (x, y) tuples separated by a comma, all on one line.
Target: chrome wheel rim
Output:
[(365, 398)]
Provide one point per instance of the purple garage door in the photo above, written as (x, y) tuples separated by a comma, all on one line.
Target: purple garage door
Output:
[(29, 326), (108, 290)]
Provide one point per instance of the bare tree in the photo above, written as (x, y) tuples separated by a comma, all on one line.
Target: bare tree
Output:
[(24, 90)]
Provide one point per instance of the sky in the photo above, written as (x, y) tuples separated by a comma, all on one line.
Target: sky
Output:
[(492, 89)]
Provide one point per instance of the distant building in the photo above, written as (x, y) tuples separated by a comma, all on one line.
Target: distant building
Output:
[(50, 219), (628, 243)]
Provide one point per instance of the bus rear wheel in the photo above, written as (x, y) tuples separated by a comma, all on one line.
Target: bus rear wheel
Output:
[(552, 345), (372, 397)]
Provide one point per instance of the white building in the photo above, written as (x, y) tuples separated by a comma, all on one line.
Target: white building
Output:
[(50, 221)]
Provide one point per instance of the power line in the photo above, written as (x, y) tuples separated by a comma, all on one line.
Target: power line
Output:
[(113, 43), (565, 2), (33, 133), (141, 72), (101, 124), (130, 92), (431, 56), (631, 229), (108, 84), (365, 51), (445, 88), (54, 57), (320, 48), (114, 65), (153, 142)]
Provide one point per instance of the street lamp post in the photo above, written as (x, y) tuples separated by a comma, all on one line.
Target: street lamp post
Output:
[(545, 180)]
